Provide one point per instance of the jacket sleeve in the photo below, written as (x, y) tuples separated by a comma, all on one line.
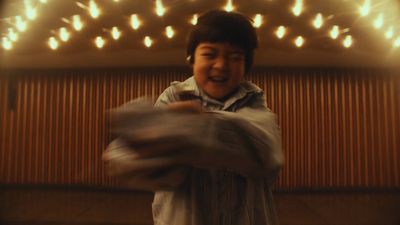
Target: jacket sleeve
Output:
[(247, 142)]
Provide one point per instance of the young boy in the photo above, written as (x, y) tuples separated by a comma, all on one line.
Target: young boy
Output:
[(211, 148)]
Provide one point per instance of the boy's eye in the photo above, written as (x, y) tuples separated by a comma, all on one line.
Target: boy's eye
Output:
[(208, 54), (236, 56)]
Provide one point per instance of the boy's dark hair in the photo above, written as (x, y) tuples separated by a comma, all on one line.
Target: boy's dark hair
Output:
[(221, 26)]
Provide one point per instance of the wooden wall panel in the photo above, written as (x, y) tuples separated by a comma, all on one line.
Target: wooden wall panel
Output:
[(341, 128)]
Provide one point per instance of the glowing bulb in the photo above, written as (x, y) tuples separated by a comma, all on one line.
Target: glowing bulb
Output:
[(378, 22), (257, 20), (12, 36), (389, 32), (160, 10), (30, 12), (20, 24), (348, 41), (396, 43), (53, 43), (77, 23), (99, 41), (135, 22), (334, 33), (280, 32), (148, 42), (365, 8), (194, 19), (115, 33), (7, 44), (94, 11), (298, 7), (169, 31), (299, 41), (64, 34), (318, 21), (229, 6)]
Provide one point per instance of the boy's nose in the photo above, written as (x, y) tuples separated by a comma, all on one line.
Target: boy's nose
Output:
[(221, 63)]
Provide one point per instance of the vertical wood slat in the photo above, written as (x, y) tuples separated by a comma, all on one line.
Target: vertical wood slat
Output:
[(341, 128)]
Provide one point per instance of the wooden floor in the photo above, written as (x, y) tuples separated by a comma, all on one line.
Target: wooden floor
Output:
[(38, 206)]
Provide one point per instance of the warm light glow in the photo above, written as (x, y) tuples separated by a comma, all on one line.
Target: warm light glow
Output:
[(94, 11), (169, 31), (389, 33), (135, 22), (160, 10), (77, 23), (318, 21), (299, 41), (378, 22), (257, 20), (194, 19), (229, 6), (99, 41), (298, 7), (81, 5), (115, 33), (7, 44), (20, 24), (348, 41), (43, 1), (30, 12), (334, 33), (280, 32), (365, 8), (148, 42), (396, 43), (12, 35), (64, 34), (53, 43)]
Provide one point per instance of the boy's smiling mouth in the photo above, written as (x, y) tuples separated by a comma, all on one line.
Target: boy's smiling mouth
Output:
[(218, 79)]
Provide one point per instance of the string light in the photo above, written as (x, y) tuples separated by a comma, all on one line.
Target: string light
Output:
[(30, 12), (77, 23), (396, 43), (64, 34), (194, 19), (299, 41), (334, 33), (365, 8), (147, 41), (115, 33), (298, 7), (99, 41), (318, 21), (169, 32), (389, 33), (348, 41), (53, 43), (135, 22), (229, 6), (7, 44), (378, 22), (20, 24), (280, 32), (257, 20), (94, 10), (160, 10), (12, 36)]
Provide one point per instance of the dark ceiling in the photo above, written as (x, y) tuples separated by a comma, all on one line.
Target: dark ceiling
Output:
[(31, 50)]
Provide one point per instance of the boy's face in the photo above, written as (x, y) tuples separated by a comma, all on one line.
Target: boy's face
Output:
[(218, 68)]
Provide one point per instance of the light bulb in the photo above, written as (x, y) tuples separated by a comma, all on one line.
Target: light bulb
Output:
[(280, 32), (299, 41), (169, 32), (147, 41), (135, 22), (53, 43)]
